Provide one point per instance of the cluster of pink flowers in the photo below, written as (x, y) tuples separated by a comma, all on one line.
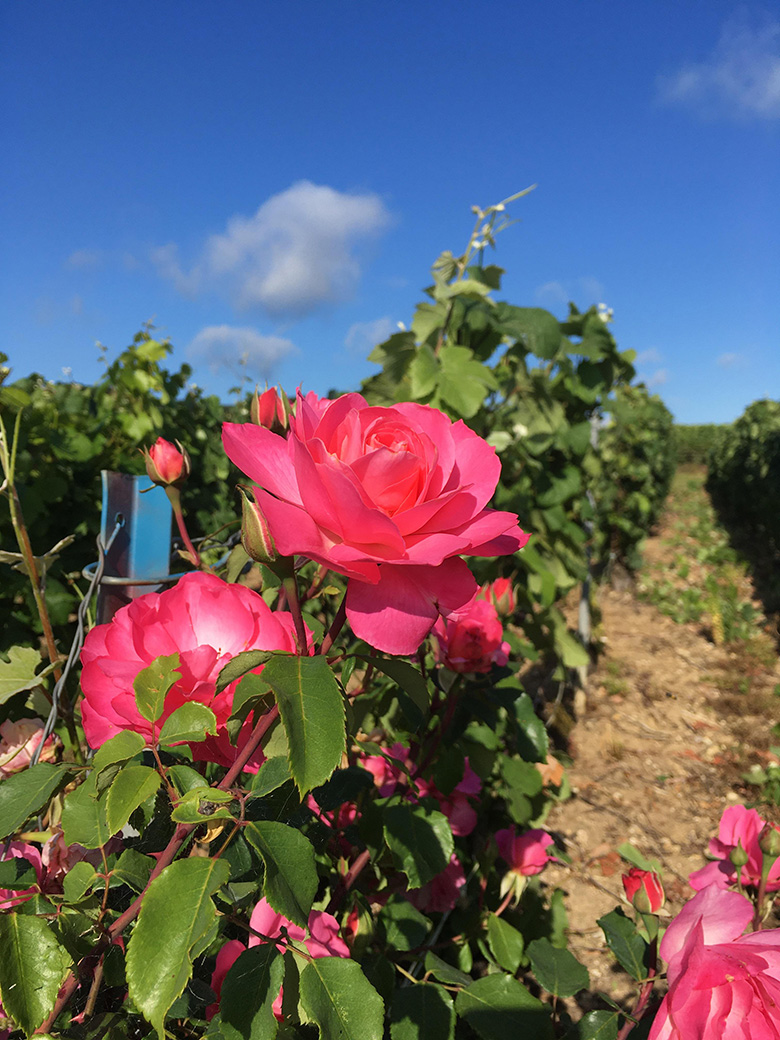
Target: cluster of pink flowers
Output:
[(739, 828)]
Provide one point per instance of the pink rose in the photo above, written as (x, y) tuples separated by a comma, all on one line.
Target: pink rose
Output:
[(204, 620), (10, 898), (526, 854), (390, 497), (472, 642), (738, 825), (226, 958), (442, 892), (322, 939), (501, 594), (58, 858), (644, 890), (722, 985), (166, 464), (18, 741)]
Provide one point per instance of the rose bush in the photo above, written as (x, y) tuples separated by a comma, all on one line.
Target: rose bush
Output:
[(204, 620), (389, 497), (722, 985)]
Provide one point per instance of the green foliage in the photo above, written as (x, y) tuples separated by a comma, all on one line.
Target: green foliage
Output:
[(32, 967), (638, 461), (694, 442)]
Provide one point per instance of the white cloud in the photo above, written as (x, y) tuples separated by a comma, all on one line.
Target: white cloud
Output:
[(77, 306), (731, 360), (740, 77), (584, 291), (237, 349), (298, 252), (648, 357), (658, 378), (83, 259), (551, 293), (363, 336)]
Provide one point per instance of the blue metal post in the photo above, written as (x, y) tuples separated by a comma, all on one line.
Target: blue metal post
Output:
[(142, 548)]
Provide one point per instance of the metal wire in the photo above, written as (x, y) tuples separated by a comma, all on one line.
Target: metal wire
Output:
[(78, 638)]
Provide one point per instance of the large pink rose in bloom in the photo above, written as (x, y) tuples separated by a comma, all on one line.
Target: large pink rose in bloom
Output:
[(204, 620), (472, 641), (390, 497), (722, 985), (738, 825)]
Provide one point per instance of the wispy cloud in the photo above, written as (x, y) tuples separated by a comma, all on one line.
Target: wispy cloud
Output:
[(83, 259), (299, 251), (741, 77), (731, 360), (583, 291), (363, 336), (237, 349), (658, 378), (648, 357)]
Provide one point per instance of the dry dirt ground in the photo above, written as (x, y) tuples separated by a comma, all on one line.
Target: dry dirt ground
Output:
[(662, 736)]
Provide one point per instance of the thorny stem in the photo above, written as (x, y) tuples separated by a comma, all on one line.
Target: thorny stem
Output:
[(167, 856), (644, 995), (349, 880)]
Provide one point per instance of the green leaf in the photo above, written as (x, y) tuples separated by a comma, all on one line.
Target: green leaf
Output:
[(33, 966), (408, 678), (290, 881), (17, 873), (84, 817), (423, 372), (185, 778), (19, 672), (445, 972), (506, 944), (538, 329), (152, 684), (558, 971), (192, 721), (598, 1025), (130, 789), (312, 711), (339, 998), (176, 916), (239, 665), (420, 840), (532, 739), (464, 382), (133, 869), (636, 859), (422, 1012), (405, 927), (270, 776), (203, 804), (78, 881), (25, 793), (627, 945), (498, 1006), (111, 756), (346, 785), (248, 992)]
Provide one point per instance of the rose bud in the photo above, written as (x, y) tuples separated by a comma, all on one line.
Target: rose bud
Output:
[(167, 465), (644, 890), (738, 855), (501, 594), (256, 536), (769, 841), (268, 410)]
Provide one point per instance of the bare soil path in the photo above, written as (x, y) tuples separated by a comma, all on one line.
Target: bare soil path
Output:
[(669, 722)]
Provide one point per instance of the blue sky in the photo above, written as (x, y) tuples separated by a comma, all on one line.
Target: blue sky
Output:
[(275, 180)]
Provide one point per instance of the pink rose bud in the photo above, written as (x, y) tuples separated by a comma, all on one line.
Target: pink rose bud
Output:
[(256, 535), (644, 890), (268, 410), (167, 465), (769, 841), (501, 594)]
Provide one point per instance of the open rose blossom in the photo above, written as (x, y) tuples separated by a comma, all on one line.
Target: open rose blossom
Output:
[(742, 826), (525, 854), (472, 641), (723, 985), (390, 497), (204, 620), (18, 741)]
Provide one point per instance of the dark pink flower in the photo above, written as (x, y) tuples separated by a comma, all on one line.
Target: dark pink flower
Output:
[(204, 620), (390, 497), (9, 897), (738, 825), (723, 985), (525, 854), (473, 641), (226, 958), (644, 890), (441, 893), (166, 464)]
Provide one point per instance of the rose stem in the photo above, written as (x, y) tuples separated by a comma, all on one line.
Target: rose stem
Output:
[(290, 586), (644, 995), (335, 628)]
